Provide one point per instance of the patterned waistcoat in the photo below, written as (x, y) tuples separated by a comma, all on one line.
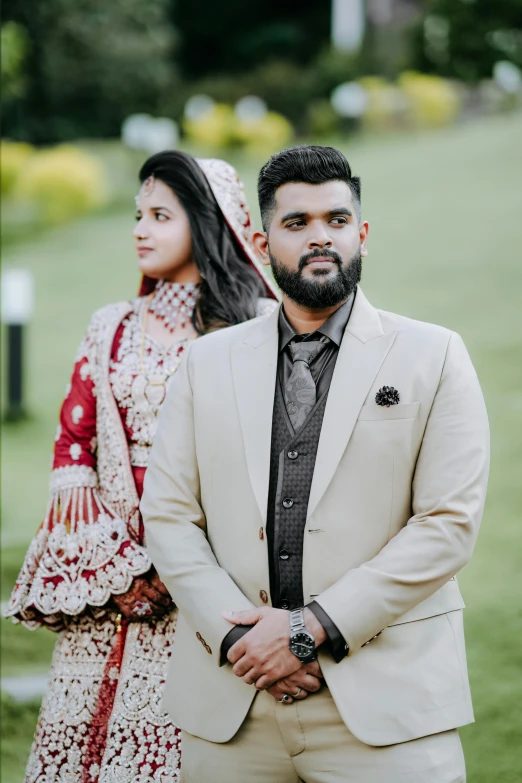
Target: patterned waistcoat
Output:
[(292, 464)]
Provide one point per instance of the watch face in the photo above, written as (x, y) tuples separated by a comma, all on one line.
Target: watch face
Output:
[(302, 645)]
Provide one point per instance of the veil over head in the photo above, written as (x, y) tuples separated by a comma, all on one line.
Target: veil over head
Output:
[(230, 196)]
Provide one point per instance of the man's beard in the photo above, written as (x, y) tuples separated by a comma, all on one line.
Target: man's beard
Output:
[(317, 293)]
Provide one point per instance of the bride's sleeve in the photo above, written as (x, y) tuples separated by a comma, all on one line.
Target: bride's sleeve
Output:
[(82, 553)]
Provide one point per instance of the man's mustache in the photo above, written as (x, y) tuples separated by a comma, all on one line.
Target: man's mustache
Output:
[(304, 260)]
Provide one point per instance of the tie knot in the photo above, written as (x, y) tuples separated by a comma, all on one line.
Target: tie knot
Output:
[(306, 351)]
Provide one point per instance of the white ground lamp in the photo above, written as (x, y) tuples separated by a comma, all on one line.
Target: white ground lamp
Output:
[(17, 310)]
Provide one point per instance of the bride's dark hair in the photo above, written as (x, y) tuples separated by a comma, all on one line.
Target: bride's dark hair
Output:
[(230, 287)]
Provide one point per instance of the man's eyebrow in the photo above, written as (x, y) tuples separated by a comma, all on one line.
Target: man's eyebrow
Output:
[(330, 213), (339, 211), (293, 216)]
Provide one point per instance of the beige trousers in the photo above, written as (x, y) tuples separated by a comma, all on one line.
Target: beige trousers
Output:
[(307, 741)]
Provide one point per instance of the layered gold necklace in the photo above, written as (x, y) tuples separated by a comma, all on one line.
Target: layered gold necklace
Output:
[(177, 304)]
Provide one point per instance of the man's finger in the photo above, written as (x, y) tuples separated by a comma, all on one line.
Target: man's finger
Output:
[(263, 683), (242, 667), (314, 668), (298, 694), (250, 677), (306, 681), (236, 652), (312, 684), (246, 617), (278, 694)]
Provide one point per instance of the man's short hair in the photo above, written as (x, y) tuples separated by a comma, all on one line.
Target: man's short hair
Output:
[(312, 164)]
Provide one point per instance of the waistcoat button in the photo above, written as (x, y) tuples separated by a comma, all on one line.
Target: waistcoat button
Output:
[(261, 533), (283, 554), (288, 503), (293, 454), (263, 596)]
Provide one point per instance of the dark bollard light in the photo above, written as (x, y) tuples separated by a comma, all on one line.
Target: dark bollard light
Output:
[(17, 309)]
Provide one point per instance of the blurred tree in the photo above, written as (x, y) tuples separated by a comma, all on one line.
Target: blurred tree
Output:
[(234, 36), (90, 64), (463, 39), (387, 43), (14, 46)]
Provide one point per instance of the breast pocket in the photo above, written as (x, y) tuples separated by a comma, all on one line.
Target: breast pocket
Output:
[(376, 412)]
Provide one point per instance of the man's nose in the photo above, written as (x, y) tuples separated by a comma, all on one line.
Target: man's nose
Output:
[(319, 236)]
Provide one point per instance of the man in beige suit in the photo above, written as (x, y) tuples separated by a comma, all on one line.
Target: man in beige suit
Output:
[(317, 481)]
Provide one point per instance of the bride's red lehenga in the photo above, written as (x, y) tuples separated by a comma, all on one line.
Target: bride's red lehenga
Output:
[(101, 717)]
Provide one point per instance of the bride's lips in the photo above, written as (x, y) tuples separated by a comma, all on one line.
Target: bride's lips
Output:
[(144, 251)]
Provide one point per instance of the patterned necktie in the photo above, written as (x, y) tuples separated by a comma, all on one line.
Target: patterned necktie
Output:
[(300, 391)]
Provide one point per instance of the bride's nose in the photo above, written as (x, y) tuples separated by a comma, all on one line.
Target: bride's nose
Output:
[(140, 230)]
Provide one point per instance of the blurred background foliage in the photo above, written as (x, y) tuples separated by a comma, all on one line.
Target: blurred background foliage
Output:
[(65, 61), (463, 39), (224, 76)]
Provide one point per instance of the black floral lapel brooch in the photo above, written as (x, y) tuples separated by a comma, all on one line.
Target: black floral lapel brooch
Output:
[(387, 396)]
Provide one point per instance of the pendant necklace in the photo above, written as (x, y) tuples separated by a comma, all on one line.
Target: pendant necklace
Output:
[(173, 310)]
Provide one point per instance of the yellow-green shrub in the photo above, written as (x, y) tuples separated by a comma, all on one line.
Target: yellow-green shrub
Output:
[(323, 121), (273, 131), (385, 103), (63, 183), (220, 127), (432, 101), (215, 128), (13, 157)]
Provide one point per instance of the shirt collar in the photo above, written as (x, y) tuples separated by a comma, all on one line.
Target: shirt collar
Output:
[(333, 328)]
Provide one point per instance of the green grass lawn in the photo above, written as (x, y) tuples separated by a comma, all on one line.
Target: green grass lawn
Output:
[(445, 241)]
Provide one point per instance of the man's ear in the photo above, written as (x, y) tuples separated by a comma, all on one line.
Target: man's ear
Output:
[(364, 229), (260, 242)]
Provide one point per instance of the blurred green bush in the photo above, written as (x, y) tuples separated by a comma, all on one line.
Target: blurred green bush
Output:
[(220, 127), (60, 184), (13, 157), (432, 101), (415, 101)]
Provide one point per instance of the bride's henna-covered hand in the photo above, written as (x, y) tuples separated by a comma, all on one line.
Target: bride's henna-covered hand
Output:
[(147, 597)]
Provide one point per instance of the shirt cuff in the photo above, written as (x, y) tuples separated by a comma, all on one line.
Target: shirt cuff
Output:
[(233, 636), (335, 641)]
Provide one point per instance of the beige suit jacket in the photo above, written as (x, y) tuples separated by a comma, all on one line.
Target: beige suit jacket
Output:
[(395, 506)]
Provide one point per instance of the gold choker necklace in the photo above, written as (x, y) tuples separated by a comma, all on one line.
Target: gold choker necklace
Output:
[(174, 303)]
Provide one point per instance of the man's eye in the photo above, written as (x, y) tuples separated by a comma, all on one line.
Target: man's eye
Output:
[(296, 224), (339, 221)]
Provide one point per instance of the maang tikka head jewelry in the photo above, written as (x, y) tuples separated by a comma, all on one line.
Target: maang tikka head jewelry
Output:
[(146, 189)]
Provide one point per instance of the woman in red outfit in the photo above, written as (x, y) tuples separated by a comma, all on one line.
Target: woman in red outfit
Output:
[(87, 573)]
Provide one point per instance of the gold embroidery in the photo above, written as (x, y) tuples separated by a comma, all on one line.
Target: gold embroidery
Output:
[(129, 384)]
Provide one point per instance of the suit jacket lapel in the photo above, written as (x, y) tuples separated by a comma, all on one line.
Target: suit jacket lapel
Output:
[(254, 370), (362, 352)]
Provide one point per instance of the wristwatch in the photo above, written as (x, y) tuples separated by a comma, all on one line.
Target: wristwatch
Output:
[(302, 643)]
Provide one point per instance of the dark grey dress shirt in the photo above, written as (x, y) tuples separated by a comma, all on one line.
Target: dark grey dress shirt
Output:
[(322, 368)]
